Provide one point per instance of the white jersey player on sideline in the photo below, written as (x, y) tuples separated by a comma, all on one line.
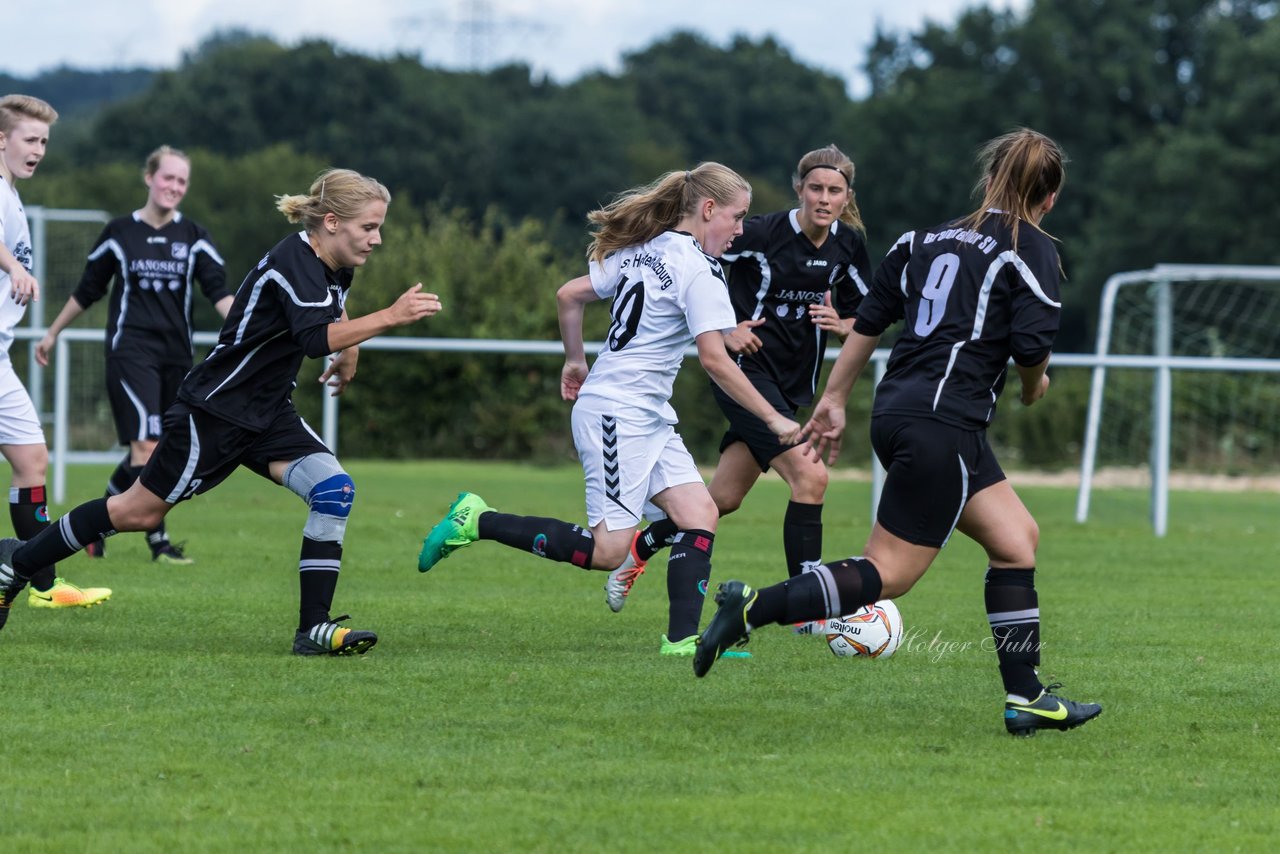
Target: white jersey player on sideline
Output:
[(24, 136), (654, 254)]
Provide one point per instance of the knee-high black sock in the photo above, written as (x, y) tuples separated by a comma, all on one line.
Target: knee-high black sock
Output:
[(68, 535), (827, 590), (122, 477), (318, 565), (655, 538), (688, 573), (1013, 610), (549, 538), (29, 512), (802, 536)]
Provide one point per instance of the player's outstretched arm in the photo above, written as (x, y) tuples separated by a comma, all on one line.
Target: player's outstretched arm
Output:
[(413, 305), (722, 369)]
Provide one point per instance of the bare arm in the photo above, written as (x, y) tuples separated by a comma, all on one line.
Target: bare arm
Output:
[(223, 306), (25, 288), (44, 347), (725, 372), (412, 306), (1035, 382), (571, 300), (825, 427)]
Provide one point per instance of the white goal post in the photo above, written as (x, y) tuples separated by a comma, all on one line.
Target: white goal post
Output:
[(1218, 329)]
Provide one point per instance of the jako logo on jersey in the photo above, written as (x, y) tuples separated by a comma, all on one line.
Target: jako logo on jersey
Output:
[(540, 545), (180, 251), (702, 587), (152, 240), (816, 262)]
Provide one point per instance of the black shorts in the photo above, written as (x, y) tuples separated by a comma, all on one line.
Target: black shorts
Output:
[(197, 451), (932, 470), (140, 392), (750, 430)]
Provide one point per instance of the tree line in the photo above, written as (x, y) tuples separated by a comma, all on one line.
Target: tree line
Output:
[(1165, 108)]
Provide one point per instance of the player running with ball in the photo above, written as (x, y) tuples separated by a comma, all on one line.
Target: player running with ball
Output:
[(973, 293)]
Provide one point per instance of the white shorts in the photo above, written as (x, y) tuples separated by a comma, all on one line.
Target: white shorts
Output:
[(628, 456), (19, 424)]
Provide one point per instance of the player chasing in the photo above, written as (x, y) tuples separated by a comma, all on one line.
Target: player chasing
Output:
[(152, 255), (654, 254), (794, 276), (972, 293), (24, 137), (235, 407)]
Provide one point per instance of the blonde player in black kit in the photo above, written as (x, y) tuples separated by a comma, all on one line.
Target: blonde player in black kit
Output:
[(973, 293), (152, 255), (794, 276), (235, 407)]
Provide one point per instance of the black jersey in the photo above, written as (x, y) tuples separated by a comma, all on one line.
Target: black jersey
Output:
[(776, 272), (281, 313), (970, 303), (150, 308)]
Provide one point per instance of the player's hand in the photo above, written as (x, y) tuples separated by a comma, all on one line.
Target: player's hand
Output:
[(742, 339), (787, 430), (1031, 395), (341, 371), (825, 430), (413, 305), (825, 317), (24, 287), (572, 376), (44, 349)]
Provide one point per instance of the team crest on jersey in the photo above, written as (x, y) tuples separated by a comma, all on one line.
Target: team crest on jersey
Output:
[(835, 274), (180, 251)]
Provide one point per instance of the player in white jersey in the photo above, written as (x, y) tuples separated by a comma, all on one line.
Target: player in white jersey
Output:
[(24, 136), (654, 254)]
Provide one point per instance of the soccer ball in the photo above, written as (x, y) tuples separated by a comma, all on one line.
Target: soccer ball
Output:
[(872, 631)]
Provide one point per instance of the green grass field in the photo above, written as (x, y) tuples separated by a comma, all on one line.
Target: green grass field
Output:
[(506, 708)]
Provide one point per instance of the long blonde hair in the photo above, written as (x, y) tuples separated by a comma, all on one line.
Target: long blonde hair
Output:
[(341, 192), (1019, 171), (832, 158), (642, 213)]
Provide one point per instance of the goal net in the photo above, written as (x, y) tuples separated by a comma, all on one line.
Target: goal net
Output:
[(1187, 379)]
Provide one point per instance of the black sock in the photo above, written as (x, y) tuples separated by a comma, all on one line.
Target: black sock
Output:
[(688, 573), (83, 525), (827, 590), (318, 565), (1013, 610), (549, 538), (655, 538), (29, 512), (122, 477), (802, 536)]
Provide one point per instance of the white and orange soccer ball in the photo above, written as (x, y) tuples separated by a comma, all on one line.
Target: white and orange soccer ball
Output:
[(872, 631)]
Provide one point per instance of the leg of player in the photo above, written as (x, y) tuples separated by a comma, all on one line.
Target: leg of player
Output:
[(162, 551), (802, 525), (890, 567), (29, 512), (136, 509), (997, 519), (320, 481), (122, 477), (470, 519)]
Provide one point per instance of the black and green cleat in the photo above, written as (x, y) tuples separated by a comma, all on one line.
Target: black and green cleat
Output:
[(1048, 711), (728, 626)]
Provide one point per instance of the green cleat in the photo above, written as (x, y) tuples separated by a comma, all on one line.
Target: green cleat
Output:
[(689, 645), (1047, 712), (728, 626), (459, 527)]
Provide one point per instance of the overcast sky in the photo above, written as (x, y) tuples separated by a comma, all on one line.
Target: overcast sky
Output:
[(561, 38)]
